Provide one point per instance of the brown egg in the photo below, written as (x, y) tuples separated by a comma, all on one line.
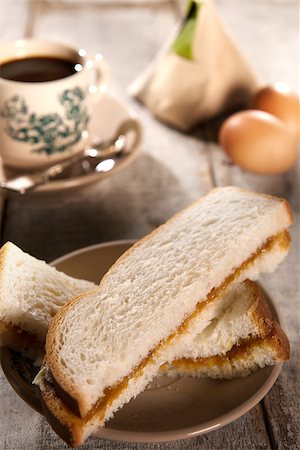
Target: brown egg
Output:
[(282, 103), (258, 142)]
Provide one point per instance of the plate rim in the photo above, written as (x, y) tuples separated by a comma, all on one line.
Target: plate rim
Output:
[(189, 432), (91, 247), (217, 422)]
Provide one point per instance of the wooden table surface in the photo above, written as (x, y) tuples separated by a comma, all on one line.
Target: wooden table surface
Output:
[(172, 170)]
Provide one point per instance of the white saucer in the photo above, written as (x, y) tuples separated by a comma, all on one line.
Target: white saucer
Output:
[(106, 116)]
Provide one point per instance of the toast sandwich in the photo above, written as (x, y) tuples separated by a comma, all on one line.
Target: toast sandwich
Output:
[(149, 300), (240, 319)]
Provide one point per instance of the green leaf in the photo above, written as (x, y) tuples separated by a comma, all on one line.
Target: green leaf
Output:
[(183, 44)]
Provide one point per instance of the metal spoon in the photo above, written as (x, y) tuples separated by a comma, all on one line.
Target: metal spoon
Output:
[(98, 158)]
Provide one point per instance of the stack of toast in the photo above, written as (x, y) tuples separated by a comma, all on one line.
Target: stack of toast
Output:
[(181, 301)]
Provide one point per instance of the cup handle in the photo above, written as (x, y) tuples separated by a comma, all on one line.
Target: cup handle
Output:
[(101, 77), (131, 128)]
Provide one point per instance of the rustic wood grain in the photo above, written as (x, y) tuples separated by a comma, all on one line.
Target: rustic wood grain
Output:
[(13, 18), (19, 424), (127, 206), (172, 170), (268, 33), (281, 405)]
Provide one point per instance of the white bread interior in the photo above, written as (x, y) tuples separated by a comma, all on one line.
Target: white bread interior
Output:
[(31, 292)]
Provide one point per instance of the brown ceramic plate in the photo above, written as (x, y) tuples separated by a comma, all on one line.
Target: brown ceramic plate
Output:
[(171, 408)]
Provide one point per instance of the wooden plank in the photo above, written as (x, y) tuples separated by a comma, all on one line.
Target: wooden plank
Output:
[(282, 403), (263, 44), (130, 204), (19, 424), (268, 34), (13, 17)]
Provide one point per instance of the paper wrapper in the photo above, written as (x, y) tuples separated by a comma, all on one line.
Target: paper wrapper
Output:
[(212, 77)]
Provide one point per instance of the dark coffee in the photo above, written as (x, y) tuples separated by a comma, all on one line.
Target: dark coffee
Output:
[(37, 69)]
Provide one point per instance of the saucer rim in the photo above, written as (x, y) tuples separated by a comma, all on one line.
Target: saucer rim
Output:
[(88, 179)]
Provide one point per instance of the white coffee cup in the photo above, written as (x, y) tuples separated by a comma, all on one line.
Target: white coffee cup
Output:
[(44, 122)]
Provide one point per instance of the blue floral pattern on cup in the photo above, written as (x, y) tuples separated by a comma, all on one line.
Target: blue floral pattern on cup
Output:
[(48, 133)]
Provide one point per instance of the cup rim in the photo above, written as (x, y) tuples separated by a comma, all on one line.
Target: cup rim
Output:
[(80, 52)]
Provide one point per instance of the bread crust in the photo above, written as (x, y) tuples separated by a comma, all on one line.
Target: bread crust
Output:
[(66, 424), (52, 357), (260, 312), (279, 340)]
